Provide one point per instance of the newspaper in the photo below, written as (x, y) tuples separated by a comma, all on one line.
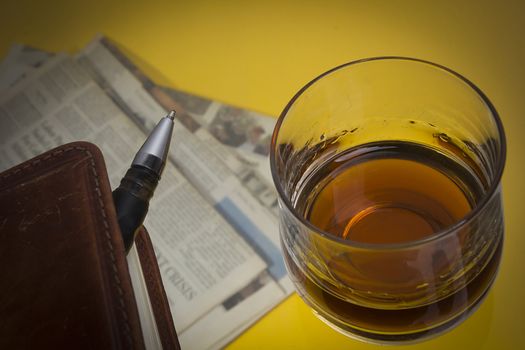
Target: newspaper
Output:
[(20, 61), (213, 222)]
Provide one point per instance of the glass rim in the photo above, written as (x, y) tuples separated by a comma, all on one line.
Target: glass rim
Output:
[(474, 212)]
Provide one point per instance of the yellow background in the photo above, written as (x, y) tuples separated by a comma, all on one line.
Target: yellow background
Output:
[(258, 54)]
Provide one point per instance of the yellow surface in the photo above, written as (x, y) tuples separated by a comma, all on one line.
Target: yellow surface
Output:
[(258, 54)]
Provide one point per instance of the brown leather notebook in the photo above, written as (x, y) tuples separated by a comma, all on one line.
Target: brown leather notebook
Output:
[(64, 278)]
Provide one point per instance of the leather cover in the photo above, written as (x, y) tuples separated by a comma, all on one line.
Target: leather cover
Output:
[(64, 280), (157, 294)]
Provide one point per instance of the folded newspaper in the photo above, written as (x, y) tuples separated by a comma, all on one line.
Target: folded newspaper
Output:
[(213, 221)]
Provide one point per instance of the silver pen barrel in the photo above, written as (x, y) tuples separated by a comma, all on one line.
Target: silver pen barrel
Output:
[(154, 151)]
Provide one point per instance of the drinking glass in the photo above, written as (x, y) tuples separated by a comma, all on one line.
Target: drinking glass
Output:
[(388, 174)]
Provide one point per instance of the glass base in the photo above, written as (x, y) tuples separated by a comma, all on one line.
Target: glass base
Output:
[(404, 326), (399, 339)]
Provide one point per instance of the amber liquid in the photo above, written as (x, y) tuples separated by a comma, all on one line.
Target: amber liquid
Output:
[(390, 193)]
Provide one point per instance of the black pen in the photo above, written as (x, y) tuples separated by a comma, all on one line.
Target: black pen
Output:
[(132, 196)]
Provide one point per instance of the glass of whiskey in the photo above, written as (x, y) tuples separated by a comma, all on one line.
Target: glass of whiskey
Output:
[(388, 172)]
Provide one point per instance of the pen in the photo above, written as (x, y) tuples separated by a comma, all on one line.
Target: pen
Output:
[(132, 196)]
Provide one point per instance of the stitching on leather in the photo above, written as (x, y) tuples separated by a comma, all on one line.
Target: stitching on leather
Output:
[(104, 216), (110, 245)]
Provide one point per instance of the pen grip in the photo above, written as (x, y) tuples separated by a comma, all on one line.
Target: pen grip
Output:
[(131, 201), (131, 212)]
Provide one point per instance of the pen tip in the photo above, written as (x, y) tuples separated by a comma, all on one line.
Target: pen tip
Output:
[(171, 115)]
